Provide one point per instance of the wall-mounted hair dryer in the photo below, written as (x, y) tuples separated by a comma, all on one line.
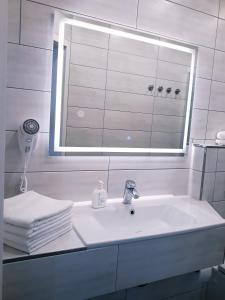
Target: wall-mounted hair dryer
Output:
[(27, 139)]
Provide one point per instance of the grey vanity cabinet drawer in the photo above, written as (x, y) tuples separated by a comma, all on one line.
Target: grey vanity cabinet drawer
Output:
[(155, 259), (71, 276), (86, 274)]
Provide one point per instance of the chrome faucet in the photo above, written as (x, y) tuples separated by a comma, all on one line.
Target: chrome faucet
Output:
[(130, 192)]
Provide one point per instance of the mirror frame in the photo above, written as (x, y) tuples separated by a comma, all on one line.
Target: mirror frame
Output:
[(60, 21)]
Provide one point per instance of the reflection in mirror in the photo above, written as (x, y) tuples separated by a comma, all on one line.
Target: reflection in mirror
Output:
[(122, 93)]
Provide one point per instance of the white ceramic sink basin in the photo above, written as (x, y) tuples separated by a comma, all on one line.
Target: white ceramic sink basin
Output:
[(152, 218)]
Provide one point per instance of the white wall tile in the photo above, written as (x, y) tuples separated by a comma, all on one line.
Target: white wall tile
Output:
[(217, 98), (215, 124), (208, 186), (198, 158), (88, 56), (220, 40), (168, 123), (37, 25), (166, 106), (222, 9), (164, 17), (174, 56), (123, 12), (206, 6), (166, 140), (86, 97), (202, 93), (173, 85), (219, 65), (195, 184), (198, 123), (129, 102), (14, 21), (29, 68), (149, 182), (87, 76), (42, 162), (205, 62), (26, 104), (75, 186), (171, 71)]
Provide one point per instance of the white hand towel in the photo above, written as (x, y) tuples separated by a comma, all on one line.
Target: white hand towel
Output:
[(33, 247), (30, 209), (36, 239), (28, 233)]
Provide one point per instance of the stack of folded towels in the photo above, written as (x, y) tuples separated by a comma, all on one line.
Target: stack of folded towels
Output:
[(220, 138), (32, 220)]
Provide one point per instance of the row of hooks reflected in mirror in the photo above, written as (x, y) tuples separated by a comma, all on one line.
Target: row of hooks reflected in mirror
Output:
[(169, 91)]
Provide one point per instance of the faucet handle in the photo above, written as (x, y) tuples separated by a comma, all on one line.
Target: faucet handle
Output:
[(130, 184)]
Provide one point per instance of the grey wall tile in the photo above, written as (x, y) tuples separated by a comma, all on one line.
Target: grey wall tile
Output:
[(83, 137), (173, 71), (198, 123), (90, 37), (208, 186), (206, 6), (222, 9), (217, 96), (41, 161), (219, 64), (220, 40), (221, 160), (128, 83), (123, 12), (205, 61), (127, 120), (75, 186), (164, 18), (133, 64), (168, 124), (86, 97), (211, 160), (202, 93), (87, 76), (219, 191), (123, 138), (85, 117), (166, 106), (13, 21), (220, 208), (130, 46), (88, 56), (173, 85), (215, 124), (26, 104), (29, 68), (129, 102), (174, 56), (166, 140), (37, 28), (149, 182)]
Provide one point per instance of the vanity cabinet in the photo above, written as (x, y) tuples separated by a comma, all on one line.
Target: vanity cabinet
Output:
[(75, 276), (156, 259)]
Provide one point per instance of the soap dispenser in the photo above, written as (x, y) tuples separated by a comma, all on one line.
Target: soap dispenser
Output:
[(99, 196)]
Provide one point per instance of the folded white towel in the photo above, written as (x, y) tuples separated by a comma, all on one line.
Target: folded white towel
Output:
[(31, 209), (29, 233), (220, 142), (221, 135), (29, 241), (36, 245)]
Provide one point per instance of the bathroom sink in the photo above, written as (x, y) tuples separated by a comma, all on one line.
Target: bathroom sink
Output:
[(153, 217)]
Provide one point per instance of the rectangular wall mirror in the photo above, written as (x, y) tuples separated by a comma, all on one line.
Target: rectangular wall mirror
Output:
[(119, 90)]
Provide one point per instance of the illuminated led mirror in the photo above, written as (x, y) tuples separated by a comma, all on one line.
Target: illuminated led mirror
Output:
[(119, 90)]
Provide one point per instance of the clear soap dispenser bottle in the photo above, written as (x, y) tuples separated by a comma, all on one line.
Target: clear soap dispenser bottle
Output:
[(99, 196)]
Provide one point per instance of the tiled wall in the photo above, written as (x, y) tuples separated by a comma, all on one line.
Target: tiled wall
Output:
[(29, 82), (208, 176), (109, 102)]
